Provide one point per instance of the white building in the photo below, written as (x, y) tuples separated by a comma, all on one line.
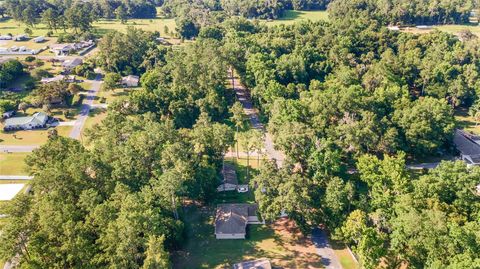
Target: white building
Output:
[(39, 39), (130, 81), (61, 49), (37, 120)]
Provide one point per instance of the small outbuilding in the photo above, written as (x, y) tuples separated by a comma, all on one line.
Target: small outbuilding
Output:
[(39, 39), (230, 181), (130, 81)]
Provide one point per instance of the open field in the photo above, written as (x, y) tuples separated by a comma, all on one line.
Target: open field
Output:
[(281, 242), (112, 95), (292, 16), (30, 137), (13, 163)]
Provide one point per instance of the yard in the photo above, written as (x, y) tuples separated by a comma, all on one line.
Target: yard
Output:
[(30, 137), (13, 163), (466, 122), (293, 16), (281, 242)]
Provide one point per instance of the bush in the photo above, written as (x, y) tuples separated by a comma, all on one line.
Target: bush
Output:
[(49, 33), (76, 100), (38, 74), (66, 38), (29, 59)]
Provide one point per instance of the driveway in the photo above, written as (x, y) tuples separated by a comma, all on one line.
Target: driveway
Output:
[(87, 105), (7, 148), (320, 241)]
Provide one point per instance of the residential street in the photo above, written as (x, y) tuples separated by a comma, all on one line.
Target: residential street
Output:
[(7, 148), (319, 238), (86, 106), (243, 97)]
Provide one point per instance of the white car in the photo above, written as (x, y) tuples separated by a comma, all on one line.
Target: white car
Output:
[(242, 188)]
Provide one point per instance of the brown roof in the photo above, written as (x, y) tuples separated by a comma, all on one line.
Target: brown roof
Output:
[(233, 218), (255, 264), (229, 174), (465, 144)]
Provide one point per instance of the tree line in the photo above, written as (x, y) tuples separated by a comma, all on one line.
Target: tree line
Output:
[(77, 15), (118, 203)]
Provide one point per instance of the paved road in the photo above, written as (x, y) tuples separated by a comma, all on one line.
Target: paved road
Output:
[(10, 177), (319, 238), (7, 148), (329, 259), (87, 105), (244, 98)]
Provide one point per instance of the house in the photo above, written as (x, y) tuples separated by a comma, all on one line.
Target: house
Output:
[(469, 147), (39, 39), (68, 65), (230, 181), (8, 114), (37, 120), (231, 220), (393, 28), (5, 37), (61, 49), (255, 264), (21, 37), (130, 81)]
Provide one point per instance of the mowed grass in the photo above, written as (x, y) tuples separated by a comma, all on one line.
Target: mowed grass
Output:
[(293, 16), (456, 28), (466, 122), (13, 163), (30, 137), (277, 242)]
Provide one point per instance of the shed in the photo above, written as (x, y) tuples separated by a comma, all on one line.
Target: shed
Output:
[(39, 39), (230, 181)]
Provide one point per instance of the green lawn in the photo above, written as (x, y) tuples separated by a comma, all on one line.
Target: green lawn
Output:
[(464, 121), (292, 16), (12, 163), (455, 28), (201, 250), (30, 137)]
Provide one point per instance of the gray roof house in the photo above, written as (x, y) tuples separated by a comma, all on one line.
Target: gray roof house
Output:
[(230, 181), (469, 147), (231, 220), (130, 81), (37, 120), (255, 264), (70, 64)]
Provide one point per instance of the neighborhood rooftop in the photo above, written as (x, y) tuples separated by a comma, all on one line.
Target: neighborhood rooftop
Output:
[(468, 146), (38, 118)]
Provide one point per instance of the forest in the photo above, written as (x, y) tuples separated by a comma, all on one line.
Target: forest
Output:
[(348, 102)]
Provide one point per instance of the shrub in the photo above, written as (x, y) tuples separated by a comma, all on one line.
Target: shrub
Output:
[(29, 59)]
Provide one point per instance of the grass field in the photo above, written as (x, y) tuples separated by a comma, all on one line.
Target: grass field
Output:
[(292, 16), (280, 242), (30, 137), (12, 163)]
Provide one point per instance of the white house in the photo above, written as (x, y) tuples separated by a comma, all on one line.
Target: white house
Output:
[(231, 220), (37, 120), (61, 49), (469, 147), (130, 81), (39, 39), (230, 181), (5, 37)]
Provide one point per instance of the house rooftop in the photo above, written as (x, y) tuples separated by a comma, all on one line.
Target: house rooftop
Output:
[(229, 174), (38, 118), (255, 264), (233, 218), (465, 143)]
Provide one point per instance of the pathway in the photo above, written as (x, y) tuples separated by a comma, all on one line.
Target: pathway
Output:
[(244, 98), (319, 238), (86, 106), (10, 177)]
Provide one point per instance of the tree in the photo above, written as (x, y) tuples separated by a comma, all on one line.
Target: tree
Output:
[(111, 81), (6, 105), (238, 119), (156, 256), (23, 106), (251, 140), (121, 14), (474, 112)]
